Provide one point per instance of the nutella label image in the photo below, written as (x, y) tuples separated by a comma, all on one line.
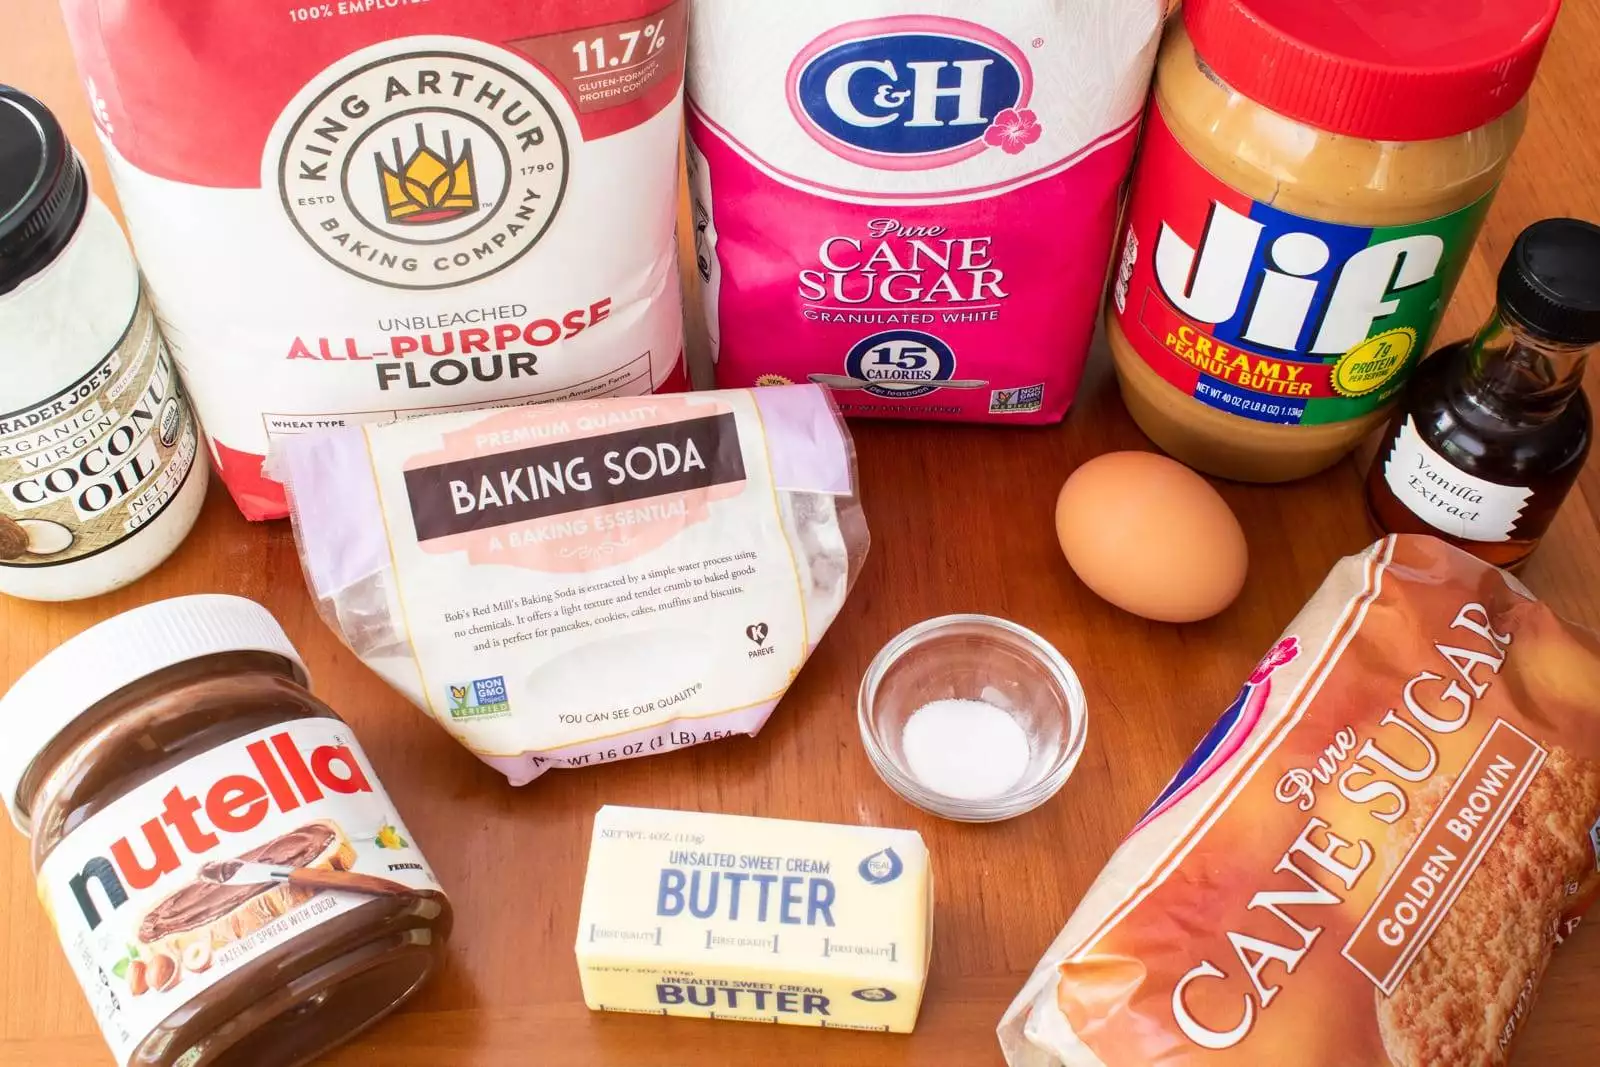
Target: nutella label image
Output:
[(162, 894), (402, 209)]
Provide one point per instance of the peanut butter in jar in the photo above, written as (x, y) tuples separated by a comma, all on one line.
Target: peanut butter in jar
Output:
[(1312, 180)]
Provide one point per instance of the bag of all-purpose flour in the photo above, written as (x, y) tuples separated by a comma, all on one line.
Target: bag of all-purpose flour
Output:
[(910, 201), (354, 211)]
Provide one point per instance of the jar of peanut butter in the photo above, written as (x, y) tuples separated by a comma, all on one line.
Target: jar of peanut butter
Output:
[(1311, 182), (231, 883)]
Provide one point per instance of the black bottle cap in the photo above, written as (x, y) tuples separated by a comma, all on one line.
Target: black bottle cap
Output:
[(43, 189), (1551, 281)]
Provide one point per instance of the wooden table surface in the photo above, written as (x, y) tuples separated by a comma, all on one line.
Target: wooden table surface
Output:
[(961, 522)]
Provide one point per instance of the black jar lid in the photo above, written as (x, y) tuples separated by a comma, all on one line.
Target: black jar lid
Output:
[(43, 189), (1551, 281)]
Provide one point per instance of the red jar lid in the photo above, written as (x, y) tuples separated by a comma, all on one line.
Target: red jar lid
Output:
[(1389, 70)]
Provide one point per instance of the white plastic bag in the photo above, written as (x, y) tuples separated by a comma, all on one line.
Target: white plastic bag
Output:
[(568, 584)]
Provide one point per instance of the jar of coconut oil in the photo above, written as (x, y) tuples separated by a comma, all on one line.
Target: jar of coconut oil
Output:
[(100, 476)]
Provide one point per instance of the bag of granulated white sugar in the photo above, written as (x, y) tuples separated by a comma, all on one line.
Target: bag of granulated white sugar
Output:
[(357, 211), (912, 203)]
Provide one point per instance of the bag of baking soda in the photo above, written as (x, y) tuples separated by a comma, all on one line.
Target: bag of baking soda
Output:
[(912, 203), (355, 210), (562, 585), (1370, 856)]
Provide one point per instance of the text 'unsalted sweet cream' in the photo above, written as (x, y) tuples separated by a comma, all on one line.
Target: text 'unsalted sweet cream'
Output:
[(764, 920)]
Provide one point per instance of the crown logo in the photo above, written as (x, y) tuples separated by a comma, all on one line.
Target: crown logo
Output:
[(429, 186)]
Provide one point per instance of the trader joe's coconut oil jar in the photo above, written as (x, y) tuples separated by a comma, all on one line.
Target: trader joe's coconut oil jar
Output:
[(99, 477)]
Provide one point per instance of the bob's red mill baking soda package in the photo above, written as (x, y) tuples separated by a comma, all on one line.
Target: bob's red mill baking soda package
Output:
[(357, 211)]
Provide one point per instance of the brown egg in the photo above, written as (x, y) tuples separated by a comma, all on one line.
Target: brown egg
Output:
[(1151, 536)]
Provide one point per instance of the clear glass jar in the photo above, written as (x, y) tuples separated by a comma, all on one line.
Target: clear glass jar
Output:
[(1003, 669), (1254, 327), (101, 473), (196, 757)]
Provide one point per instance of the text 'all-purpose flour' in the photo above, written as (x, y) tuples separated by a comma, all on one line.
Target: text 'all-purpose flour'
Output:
[(352, 213)]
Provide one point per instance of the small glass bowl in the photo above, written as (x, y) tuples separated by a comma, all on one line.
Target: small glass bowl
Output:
[(975, 657)]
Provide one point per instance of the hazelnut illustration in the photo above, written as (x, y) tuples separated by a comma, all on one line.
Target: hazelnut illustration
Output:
[(163, 972), (137, 982), (13, 539), (197, 957)]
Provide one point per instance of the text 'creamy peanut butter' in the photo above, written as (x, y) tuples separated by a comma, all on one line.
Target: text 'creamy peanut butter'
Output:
[(1311, 182)]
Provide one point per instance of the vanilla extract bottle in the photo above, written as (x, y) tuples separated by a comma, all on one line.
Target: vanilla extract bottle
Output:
[(1493, 431)]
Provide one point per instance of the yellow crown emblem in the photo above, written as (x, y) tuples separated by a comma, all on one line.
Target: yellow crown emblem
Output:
[(429, 186)]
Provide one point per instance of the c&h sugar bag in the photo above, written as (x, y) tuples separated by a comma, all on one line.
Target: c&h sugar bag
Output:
[(912, 203)]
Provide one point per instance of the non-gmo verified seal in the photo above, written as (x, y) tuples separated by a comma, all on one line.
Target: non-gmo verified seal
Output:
[(424, 170), (481, 699)]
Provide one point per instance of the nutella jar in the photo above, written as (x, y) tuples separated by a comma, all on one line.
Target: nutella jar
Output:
[(1311, 182), (230, 881)]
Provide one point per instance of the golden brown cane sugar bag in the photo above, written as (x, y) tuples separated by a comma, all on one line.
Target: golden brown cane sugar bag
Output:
[(1370, 856)]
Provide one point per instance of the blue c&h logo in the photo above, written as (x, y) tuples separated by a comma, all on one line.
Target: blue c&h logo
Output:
[(908, 92)]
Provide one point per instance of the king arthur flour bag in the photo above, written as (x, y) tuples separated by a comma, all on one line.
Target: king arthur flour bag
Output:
[(910, 202), (561, 585), (1370, 856), (351, 211)]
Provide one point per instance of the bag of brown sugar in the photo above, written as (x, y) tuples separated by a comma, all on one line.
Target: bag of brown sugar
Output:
[(1370, 856)]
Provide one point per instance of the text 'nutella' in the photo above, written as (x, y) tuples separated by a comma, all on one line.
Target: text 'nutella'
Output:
[(226, 873)]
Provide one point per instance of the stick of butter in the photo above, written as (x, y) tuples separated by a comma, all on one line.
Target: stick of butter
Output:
[(728, 917)]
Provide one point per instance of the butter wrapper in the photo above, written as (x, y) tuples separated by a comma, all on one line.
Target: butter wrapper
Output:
[(763, 920)]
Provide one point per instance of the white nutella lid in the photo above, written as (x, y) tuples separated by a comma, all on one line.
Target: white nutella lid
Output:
[(105, 658)]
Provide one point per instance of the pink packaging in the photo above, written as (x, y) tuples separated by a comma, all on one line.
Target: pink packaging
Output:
[(913, 208)]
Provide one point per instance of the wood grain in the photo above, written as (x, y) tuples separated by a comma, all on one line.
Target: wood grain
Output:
[(961, 522)]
